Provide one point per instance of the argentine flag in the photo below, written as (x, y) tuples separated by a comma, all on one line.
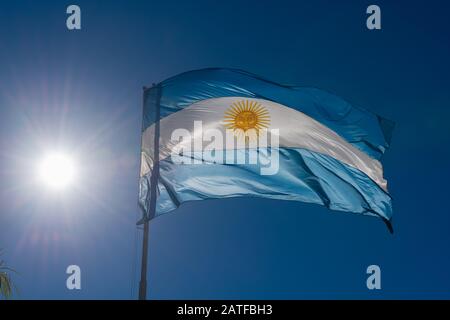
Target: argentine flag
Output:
[(221, 133)]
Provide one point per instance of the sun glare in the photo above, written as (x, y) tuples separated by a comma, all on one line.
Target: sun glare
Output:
[(56, 171)]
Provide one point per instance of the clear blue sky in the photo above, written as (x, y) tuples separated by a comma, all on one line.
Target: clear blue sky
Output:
[(81, 91)]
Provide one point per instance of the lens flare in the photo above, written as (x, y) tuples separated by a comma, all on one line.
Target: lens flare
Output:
[(56, 170)]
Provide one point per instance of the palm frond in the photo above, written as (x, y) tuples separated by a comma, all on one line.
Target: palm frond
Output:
[(6, 285)]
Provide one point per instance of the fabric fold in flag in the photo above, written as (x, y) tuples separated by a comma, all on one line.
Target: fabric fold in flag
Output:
[(224, 133)]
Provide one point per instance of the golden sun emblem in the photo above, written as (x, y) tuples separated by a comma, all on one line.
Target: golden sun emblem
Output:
[(246, 116)]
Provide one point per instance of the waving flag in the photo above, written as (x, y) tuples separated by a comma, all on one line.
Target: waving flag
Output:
[(220, 133)]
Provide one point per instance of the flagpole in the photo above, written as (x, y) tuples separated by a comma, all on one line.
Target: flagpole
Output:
[(143, 281), (153, 194)]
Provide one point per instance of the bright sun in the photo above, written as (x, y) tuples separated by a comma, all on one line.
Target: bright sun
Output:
[(56, 170)]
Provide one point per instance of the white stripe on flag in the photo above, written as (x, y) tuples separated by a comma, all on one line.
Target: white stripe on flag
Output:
[(296, 130)]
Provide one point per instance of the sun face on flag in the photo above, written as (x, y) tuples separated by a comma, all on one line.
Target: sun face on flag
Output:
[(245, 116)]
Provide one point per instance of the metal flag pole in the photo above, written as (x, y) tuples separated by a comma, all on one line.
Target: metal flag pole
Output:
[(153, 187), (143, 281)]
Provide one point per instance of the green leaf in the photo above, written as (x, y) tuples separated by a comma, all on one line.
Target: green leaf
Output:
[(6, 285)]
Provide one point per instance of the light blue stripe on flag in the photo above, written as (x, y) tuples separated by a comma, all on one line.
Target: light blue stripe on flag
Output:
[(303, 176)]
